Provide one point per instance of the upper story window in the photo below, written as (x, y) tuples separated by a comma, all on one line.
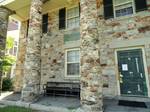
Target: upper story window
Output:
[(69, 18), (117, 8), (73, 17), (123, 7)]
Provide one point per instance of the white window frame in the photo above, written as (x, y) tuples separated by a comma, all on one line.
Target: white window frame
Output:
[(67, 9), (66, 63), (121, 4)]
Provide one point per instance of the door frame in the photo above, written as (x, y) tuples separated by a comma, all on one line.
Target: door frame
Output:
[(144, 63)]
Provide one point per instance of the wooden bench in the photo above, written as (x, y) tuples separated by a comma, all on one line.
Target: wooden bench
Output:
[(62, 89)]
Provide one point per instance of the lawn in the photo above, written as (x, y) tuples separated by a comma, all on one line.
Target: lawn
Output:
[(15, 109)]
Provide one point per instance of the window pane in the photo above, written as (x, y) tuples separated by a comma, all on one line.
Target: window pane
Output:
[(69, 13), (73, 17), (123, 12), (73, 56), (73, 69), (77, 11), (76, 21), (73, 22)]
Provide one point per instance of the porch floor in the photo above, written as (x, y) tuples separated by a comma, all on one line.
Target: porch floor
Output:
[(110, 105), (67, 102)]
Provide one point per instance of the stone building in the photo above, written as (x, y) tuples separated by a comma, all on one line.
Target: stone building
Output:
[(104, 45)]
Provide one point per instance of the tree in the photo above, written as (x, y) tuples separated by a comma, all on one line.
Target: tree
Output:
[(6, 61)]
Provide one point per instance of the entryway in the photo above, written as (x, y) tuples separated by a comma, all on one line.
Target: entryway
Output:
[(132, 76)]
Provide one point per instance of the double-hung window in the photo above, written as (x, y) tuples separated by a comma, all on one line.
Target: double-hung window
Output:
[(73, 17), (118, 8), (123, 7), (73, 62)]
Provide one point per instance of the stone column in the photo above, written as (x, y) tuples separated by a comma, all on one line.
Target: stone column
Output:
[(18, 83), (91, 79), (32, 72), (4, 16)]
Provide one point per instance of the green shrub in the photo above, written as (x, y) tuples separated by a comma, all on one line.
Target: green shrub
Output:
[(7, 84)]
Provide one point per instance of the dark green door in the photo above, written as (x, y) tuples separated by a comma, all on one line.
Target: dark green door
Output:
[(132, 74)]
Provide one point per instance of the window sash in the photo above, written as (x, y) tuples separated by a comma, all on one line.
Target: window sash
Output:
[(124, 12), (73, 69), (124, 7), (73, 17), (74, 62)]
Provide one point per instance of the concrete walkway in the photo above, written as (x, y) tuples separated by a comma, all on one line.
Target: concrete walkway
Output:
[(111, 105), (65, 104)]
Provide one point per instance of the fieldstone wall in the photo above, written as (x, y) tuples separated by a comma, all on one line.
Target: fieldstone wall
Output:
[(114, 33), (53, 52), (32, 66), (18, 81), (110, 32)]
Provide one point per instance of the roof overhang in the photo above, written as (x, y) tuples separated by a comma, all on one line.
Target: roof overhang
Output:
[(22, 7)]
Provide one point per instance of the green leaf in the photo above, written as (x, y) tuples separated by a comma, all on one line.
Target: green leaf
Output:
[(9, 43)]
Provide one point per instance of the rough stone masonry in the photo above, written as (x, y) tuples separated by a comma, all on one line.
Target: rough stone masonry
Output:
[(32, 67), (91, 79)]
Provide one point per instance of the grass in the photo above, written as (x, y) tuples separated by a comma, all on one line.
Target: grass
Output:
[(15, 109)]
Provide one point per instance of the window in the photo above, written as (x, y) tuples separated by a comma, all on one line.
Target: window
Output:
[(117, 8), (73, 17), (123, 7), (73, 63)]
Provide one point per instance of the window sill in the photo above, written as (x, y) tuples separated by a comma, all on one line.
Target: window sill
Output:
[(72, 77), (125, 17), (74, 29)]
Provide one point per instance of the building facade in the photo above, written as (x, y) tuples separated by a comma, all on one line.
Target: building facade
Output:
[(102, 44)]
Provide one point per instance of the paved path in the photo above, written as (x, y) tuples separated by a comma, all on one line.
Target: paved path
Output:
[(112, 106), (65, 103)]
